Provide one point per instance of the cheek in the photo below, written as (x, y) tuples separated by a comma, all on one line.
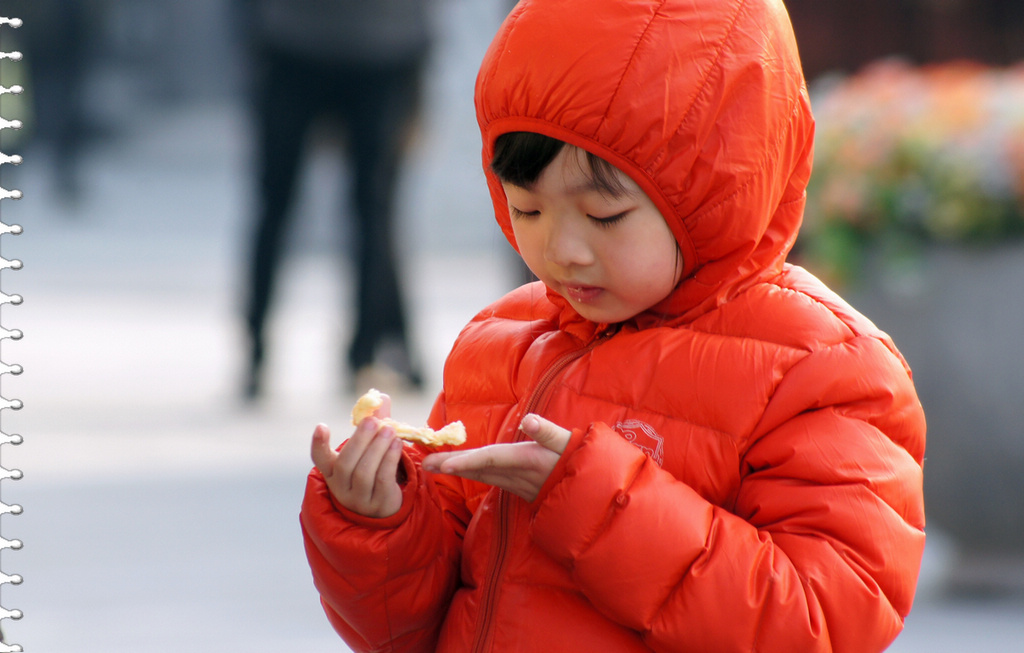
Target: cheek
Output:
[(651, 260), (650, 274), (528, 244), (669, 258)]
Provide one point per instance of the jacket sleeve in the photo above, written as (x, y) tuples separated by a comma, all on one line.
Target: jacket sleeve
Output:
[(820, 551), (385, 584)]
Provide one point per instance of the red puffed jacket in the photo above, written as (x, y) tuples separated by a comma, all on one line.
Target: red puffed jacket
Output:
[(745, 469)]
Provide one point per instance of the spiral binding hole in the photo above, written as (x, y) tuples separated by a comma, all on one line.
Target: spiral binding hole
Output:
[(13, 334)]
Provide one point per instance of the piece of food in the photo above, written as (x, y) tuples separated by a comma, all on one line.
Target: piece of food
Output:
[(453, 434)]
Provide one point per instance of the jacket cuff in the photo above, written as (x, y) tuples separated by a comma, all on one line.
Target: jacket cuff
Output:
[(594, 481), (558, 473)]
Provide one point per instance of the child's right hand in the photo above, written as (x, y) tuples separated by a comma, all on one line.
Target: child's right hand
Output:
[(363, 475)]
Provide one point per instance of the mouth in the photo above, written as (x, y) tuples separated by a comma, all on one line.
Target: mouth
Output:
[(582, 294)]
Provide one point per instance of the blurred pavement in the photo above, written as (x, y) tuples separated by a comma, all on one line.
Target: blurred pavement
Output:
[(160, 513)]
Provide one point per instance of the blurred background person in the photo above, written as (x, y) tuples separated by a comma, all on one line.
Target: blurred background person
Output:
[(360, 65), (55, 39)]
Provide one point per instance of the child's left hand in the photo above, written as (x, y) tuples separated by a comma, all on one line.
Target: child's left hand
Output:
[(520, 467)]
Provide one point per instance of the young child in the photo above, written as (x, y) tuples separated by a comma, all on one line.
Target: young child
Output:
[(677, 440)]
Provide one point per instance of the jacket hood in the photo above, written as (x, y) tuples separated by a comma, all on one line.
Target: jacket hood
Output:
[(702, 102)]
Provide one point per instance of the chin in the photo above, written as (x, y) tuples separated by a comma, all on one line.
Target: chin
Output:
[(598, 315)]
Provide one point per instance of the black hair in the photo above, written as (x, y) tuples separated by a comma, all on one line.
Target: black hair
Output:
[(521, 157)]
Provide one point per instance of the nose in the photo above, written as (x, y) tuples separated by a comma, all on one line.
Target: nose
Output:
[(566, 244)]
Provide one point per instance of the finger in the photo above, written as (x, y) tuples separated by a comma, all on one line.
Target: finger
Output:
[(461, 463), (384, 410), (387, 474), (496, 458), (545, 433), (365, 472), (355, 446), (432, 462), (320, 450), (387, 493), (389, 463), (520, 468)]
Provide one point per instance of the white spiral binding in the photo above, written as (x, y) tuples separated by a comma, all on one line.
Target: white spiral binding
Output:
[(12, 334)]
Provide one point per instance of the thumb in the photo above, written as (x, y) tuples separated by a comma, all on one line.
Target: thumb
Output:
[(547, 434), (320, 450)]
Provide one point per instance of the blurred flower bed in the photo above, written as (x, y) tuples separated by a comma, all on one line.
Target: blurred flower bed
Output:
[(910, 156)]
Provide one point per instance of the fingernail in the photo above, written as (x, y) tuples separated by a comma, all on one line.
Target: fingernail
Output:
[(530, 423)]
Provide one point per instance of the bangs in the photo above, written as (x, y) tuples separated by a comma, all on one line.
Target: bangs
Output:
[(521, 157)]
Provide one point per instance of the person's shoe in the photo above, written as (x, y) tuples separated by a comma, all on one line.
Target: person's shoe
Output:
[(386, 379), (252, 388), (391, 371)]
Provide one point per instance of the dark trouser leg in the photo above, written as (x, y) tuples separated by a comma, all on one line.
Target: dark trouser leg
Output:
[(382, 108), (58, 63), (284, 110)]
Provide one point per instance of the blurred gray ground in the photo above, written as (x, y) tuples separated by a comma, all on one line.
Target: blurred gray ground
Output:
[(159, 511), (160, 514)]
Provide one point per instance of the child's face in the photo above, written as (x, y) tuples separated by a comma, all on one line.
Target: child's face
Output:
[(611, 257)]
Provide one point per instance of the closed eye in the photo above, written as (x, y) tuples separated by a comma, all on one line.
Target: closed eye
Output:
[(609, 220), (516, 213)]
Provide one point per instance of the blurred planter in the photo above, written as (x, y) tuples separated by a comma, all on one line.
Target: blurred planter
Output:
[(957, 315), (916, 214), (906, 157)]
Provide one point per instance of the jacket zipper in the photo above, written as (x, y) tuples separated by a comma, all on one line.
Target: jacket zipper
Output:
[(504, 497)]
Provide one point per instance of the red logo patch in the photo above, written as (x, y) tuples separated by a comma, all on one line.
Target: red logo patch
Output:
[(643, 436)]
